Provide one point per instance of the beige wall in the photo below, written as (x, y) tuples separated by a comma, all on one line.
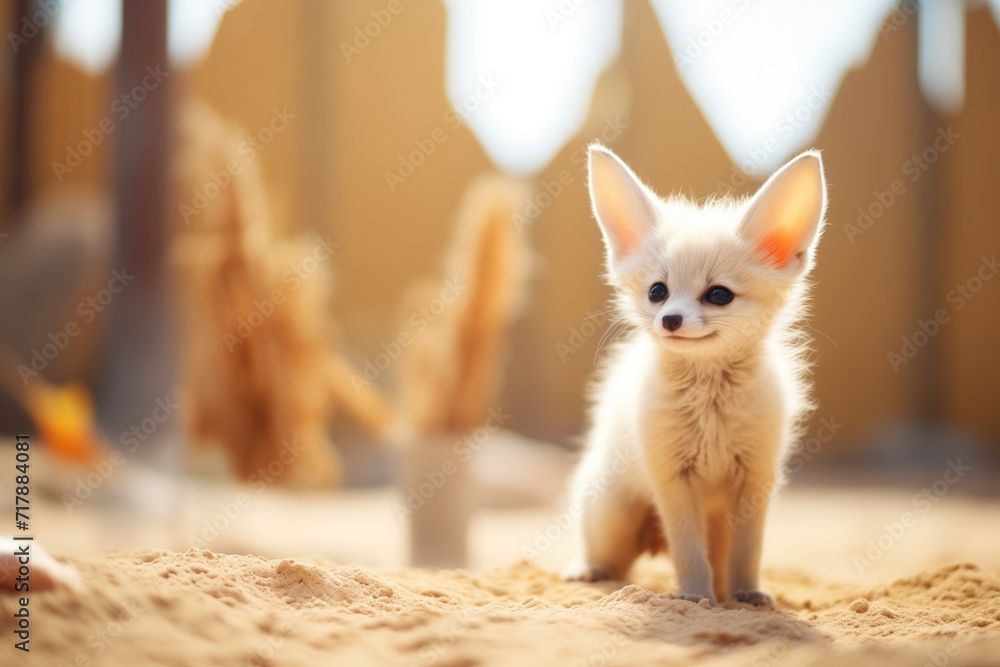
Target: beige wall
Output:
[(66, 102), (326, 171), (393, 93), (972, 229), (865, 295), (69, 102)]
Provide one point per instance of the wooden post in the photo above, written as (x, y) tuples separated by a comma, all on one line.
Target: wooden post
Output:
[(25, 59), (143, 142), (140, 356)]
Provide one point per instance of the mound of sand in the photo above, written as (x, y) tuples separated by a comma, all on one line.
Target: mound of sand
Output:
[(203, 608)]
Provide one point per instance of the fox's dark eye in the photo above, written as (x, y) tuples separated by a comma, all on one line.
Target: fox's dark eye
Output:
[(718, 295), (658, 292)]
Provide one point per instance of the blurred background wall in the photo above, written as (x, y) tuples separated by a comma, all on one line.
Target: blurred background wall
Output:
[(353, 120)]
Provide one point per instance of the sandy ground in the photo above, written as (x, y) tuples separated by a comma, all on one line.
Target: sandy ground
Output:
[(323, 580), (200, 608)]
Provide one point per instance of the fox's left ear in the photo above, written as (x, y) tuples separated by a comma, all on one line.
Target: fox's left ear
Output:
[(784, 217), (624, 207)]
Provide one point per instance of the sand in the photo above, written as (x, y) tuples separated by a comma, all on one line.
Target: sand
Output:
[(203, 608), (323, 580)]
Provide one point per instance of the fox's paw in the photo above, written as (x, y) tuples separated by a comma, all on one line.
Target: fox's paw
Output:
[(755, 598), (587, 573)]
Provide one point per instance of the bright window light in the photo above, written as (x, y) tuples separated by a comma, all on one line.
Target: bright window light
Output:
[(88, 32), (941, 57), (765, 72), (193, 24), (522, 72)]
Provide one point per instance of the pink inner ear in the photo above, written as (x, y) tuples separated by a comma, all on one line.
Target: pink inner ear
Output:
[(622, 223), (778, 246), (629, 241), (789, 209)]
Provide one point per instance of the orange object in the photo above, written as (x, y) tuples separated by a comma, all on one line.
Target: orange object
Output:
[(64, 417)]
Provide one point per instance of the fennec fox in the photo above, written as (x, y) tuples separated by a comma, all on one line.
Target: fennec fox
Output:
[(696, 410)]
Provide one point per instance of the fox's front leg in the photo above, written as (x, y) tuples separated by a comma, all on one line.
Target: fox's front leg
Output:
[(684, 523), (747, 540)]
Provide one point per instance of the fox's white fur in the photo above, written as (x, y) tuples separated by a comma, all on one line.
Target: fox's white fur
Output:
[(691, 425)]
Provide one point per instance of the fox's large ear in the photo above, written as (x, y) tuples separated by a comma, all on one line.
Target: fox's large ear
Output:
[(624, 207), (785, 215)]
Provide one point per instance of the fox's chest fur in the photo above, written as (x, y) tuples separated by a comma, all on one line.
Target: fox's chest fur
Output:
[(694, 420), (710, 423)]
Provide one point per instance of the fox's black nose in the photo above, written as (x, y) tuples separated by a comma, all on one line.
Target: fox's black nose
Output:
[(672, 322)]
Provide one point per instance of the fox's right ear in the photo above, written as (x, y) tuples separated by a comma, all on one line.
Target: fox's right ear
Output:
[(784, 218), (624, 207)]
